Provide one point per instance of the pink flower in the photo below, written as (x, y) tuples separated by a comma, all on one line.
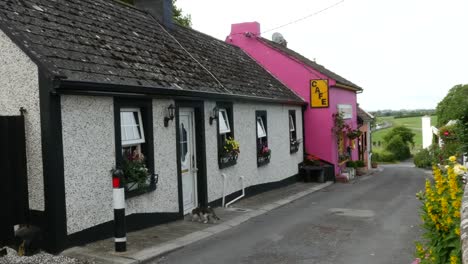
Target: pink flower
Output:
[(416, 261), (446, 133)]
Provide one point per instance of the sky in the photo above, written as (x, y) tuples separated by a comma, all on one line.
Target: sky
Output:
[(405, 54)]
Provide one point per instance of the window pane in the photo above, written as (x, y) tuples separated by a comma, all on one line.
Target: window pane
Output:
[(183, 143), (291, 123), (260, 128), (131, 127), (122, 134), (346, 110), (130, 134), (223, 122)]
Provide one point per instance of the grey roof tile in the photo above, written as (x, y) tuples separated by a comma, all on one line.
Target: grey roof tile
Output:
[(103, 41), (310, 63)]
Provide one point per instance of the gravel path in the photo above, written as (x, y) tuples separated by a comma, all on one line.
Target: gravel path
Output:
[(13, 258)]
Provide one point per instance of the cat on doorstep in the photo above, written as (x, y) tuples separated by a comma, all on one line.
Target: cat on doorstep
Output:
[(204, 214)]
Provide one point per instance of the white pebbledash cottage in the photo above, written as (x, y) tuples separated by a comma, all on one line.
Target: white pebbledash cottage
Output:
[(105, 85)]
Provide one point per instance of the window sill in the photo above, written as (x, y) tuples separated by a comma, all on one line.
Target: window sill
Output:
[(262, 161), (137, 192), (133, 192)]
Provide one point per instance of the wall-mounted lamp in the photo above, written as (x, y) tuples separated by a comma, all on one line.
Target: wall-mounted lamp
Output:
[(170, 115), (214, 114)]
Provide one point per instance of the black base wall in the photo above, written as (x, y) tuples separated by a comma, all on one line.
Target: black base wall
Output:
[(106, 230), (256, 189)]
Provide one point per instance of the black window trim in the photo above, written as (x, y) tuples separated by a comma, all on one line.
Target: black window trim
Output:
[(230, 112), (263, 115), (146, 109), (292, 136)]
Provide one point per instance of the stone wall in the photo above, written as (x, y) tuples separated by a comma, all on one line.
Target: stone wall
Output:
[(464, 226)]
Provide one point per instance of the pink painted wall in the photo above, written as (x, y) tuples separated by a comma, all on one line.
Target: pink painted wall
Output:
[(318, 122)]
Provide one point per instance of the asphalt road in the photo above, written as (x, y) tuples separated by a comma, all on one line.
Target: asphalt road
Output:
[(375, 220)]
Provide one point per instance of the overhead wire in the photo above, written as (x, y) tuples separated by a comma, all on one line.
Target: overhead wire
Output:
[(305, 17)]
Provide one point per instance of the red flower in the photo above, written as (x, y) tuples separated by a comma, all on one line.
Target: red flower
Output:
[(446, 133)]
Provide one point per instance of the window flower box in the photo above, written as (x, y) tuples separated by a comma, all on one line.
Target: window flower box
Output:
[(263, 156), (136, 177), (227, 160), (294, 146), (229, 154)]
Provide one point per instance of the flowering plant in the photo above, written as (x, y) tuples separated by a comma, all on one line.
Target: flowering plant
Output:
[(135, 170), (312, 160), (440, 214), (264, 151), (231, 147), (340, 125), (353, 134), (447, 133)]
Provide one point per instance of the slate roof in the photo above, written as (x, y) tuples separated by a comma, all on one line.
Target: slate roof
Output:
[(312, 64), (107, 42), (364, 115)]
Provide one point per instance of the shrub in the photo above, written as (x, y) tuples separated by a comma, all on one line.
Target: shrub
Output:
[(360, 163), (406, 135), (351, 164), (383, 157), (398, 148), (440, 214), (423, 159)]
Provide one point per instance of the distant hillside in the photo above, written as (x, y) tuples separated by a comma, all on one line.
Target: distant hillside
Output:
[(403, 113), (413, 123)]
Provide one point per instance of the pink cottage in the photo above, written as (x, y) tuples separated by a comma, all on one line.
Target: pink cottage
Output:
[(298, 73)]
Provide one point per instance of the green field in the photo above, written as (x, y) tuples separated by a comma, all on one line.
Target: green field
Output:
[(414, 123)]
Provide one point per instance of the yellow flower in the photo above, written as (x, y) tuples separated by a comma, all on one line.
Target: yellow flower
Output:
[(449, 220), (452, 158), (453, 259), (459, 169), (457, 231)]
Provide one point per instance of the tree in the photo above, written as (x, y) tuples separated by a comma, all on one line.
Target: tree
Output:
[(454, 105), (179, 18), (406, 135), (398, 147), (462, 131)]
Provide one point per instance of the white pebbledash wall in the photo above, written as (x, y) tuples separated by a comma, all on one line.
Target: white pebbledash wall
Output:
[(89, 155), (19, 87), (282, 164)]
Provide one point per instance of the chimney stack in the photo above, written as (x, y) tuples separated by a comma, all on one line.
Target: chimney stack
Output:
[(160, 9)]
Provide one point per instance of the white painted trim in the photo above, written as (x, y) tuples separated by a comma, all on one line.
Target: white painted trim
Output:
[(120, 239)]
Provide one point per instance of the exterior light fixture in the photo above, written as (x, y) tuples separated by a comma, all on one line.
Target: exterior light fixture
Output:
[(214, 114), (170, 115)]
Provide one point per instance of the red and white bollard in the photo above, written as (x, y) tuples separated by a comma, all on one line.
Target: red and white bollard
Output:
[(120, 233)]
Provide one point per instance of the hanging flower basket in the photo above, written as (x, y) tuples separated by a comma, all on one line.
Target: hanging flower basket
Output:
[(353, 134)]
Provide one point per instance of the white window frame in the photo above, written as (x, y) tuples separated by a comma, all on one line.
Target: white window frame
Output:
[(346, 110), (223, 120), (141, 140), (262, 133), (292, 128)]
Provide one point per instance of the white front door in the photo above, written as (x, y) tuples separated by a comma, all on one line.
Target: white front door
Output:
[(188, 165)]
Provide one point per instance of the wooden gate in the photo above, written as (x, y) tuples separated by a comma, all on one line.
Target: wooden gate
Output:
[(13, 176)]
